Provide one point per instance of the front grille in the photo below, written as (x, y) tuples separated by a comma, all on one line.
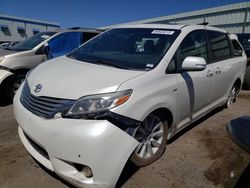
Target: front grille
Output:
[(45, 107), (38, 148)]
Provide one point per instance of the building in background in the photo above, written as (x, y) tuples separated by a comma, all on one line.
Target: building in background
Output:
[(235, 18), (16, 29)]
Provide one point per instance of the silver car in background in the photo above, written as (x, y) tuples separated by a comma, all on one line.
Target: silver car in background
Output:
[(17, 60)]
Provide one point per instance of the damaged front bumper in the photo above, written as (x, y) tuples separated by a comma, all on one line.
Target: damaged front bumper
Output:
[(61, 144)]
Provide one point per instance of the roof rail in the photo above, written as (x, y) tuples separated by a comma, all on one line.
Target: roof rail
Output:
[(204, 23), (77, 28)]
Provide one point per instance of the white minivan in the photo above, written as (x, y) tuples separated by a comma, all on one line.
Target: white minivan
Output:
[(122, 95)]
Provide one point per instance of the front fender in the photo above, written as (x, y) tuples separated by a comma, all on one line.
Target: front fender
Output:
[(4, 74)]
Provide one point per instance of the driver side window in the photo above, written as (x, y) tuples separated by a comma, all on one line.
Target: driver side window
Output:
[(194, 44)]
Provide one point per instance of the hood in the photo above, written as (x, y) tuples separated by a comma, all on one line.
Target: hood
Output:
[(4, 52), (14, 55), (71, 79)]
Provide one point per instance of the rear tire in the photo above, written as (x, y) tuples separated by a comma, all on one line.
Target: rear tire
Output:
[(153, 137), (246, 83), (232, 96)]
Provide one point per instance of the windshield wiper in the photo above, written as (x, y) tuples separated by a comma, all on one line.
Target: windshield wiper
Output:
[(101, 62), (71, 56), (98, 61), (20, 49), (8, 48)]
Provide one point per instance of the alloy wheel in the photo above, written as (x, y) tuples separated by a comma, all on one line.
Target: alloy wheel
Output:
[(231, 97), (150, 135)]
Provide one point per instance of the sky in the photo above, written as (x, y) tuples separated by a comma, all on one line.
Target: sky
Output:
[(94, 13)]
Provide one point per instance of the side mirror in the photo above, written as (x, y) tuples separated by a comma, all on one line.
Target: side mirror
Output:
[(238, 52), (46, 49), (194, 64)]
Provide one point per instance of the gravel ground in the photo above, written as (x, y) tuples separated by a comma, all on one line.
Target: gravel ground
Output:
[(202, 156)]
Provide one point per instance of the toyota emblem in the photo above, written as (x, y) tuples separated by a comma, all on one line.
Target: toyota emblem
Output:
[(38, 88)]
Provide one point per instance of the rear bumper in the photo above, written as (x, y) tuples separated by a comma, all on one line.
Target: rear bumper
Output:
[(4, 74), (96, 143)]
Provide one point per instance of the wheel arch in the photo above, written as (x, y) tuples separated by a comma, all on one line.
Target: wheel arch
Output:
[(14, 73), (6, 84), (238, 84), (164, 114), (139, 161), (21, 71)]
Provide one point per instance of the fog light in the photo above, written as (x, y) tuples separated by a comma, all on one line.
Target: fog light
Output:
[(87, 172)]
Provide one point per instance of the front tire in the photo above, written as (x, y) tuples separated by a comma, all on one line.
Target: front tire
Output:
[(152, 136), (11, 85)]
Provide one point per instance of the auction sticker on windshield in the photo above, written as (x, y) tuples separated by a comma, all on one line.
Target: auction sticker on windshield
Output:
[(45, 36), (163, 32)]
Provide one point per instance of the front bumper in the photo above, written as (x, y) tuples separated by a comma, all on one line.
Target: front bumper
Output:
[(4, 74), (96, 143)]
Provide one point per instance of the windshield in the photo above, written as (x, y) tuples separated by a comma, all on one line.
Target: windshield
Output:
[(127, 48), (32, 41)]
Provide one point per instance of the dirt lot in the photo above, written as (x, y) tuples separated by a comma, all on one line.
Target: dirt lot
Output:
[(201, 156)]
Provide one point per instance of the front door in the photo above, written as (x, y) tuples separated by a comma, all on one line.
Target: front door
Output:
[(194, 87)]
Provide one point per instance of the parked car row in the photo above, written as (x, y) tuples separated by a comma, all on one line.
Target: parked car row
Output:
[(120, 96), (17, 60), (8, 44)]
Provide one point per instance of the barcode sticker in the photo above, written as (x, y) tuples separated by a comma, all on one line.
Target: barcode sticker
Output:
[(45, 36), (163, 32)]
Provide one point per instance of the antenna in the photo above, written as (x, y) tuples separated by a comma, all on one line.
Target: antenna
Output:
[(67, 11), (204, 23)]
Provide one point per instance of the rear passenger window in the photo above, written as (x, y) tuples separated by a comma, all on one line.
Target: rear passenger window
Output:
[(195, 44), (219, 45)]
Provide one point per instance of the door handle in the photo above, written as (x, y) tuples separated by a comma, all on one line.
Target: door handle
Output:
[(218, 72), (209, 73)]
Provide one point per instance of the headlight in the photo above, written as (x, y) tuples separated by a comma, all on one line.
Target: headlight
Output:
[(2, 67), (6, 69), (1, 59), (98, 103)]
